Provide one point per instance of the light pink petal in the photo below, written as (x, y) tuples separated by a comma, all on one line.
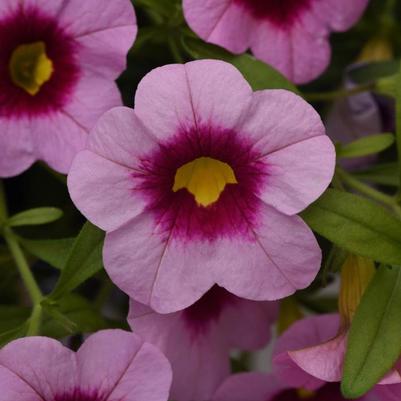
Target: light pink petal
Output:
[(256, 319), (121, 366), (279, 118), (281, 257), (297, 53), (248, 387), (92, 97), (155, 269), (178, 97), (285, 129), (339, 15), (17, 153), (323, 361), (14, 388), (104, 191), (199, 363), (44, 364), (57, 140), (304, 333), (121, 137), (221, 22), (105, 31), (298, 174)]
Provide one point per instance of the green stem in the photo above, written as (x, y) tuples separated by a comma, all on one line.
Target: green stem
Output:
[(23, 268), (35, 321), (175, 51), (337, 94), (369, 191), (22, 265)]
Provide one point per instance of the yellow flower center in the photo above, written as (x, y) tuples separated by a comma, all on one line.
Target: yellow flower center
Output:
[(205, 178), (304, 394), (30, 67), (356, 274)]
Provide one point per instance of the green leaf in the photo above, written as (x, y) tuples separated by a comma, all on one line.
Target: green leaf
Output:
[(33, 217), (371, 72), (84, 261), (366, 146), (258, 74), (383, 174), (356, 224), (374, 341), (53, 251), (70, 315)]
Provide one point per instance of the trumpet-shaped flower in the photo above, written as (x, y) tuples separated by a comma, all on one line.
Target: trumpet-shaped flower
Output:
[(311, 352), (203, 336), (58, 63), (111, 365), (200, 184), (291, 35)]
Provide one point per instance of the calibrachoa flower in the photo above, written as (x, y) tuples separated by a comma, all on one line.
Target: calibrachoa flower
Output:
[(200, 184), (197, 341), (112, 365), (291, 35), (58, 63), (313, 372), (311, 352), (265, 387)]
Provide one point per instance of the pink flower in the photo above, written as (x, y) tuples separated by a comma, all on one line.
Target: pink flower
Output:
[(111, 365), (265, 387), (58, 63), (200, 184), (291, 35), (311, 353), (202, 336)]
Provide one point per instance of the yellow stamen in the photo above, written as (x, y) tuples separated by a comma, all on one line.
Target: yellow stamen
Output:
[(305, 394), (356, 274), (30, 67), (205, 178)]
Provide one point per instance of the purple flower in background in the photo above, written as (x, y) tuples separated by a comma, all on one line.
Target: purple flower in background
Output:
[(266, 387), (198, 340)]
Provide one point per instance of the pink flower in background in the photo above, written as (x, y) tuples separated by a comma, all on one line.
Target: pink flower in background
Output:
[(58, 63), (311, 353), (111, 365), (291, 35), (198, 340), (200, 184), (265, 387)]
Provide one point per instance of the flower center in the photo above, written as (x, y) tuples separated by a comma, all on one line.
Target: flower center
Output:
[(30, 67), (279, 12), (205, 178)]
